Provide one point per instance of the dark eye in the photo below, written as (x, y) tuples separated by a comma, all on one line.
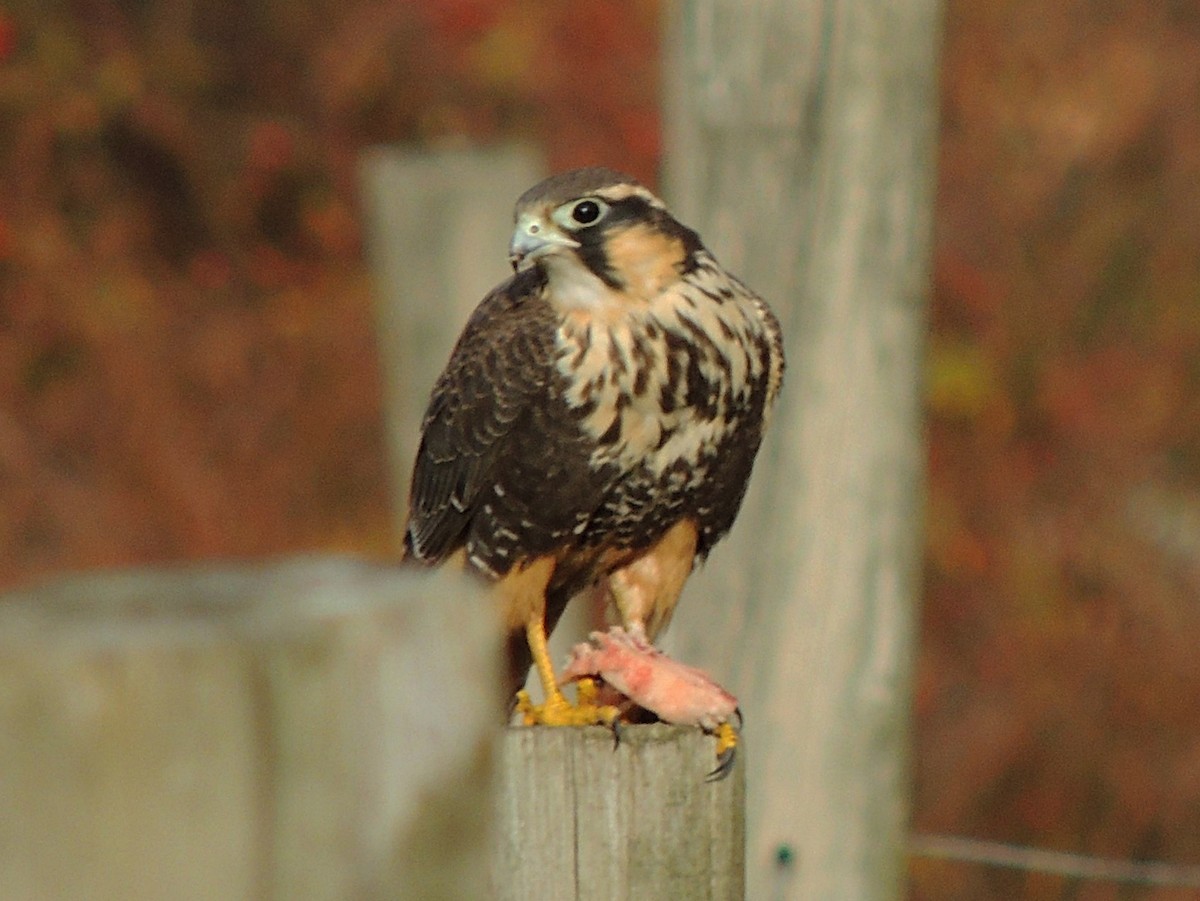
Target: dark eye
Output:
[(576, 215), (586, 212)]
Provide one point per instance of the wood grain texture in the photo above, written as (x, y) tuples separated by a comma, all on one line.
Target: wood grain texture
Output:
[(800, 143), (317, 729), (580, 820)]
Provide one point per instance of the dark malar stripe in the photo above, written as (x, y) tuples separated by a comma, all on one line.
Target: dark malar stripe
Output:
[(596, 260)]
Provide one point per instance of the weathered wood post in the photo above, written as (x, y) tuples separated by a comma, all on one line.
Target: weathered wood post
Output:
[(318, 729), (800, 142), (580, 819)]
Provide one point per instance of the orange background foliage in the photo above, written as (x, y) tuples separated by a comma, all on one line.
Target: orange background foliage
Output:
[(187, 364), (186, 355), (1059, 679)]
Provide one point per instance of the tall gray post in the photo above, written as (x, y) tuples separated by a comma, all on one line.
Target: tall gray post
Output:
[(800, 143)]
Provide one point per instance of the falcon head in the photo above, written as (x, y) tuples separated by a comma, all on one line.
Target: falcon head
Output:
[(600, 237)]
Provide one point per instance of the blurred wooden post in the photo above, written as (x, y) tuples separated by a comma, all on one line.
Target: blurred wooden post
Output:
[(438, 227), (580, 820), (800, 142), (317, 729)]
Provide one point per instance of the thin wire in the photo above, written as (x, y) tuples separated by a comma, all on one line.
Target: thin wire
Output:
[(1061, 863)]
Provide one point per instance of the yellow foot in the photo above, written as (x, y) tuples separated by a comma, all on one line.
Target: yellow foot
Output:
[(727, 741), (558, 711)]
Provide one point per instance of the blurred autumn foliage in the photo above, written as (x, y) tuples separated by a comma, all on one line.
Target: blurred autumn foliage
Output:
[(187, 364), (186, 358), (1059, 677)]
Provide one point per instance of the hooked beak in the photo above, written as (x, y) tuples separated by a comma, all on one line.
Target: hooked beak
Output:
[(532, 239)]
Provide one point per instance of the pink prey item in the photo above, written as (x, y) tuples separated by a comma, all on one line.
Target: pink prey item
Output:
[(672, 691)]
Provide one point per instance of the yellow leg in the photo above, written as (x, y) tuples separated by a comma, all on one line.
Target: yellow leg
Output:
[(535, 634), (522, 595), (557, 710)]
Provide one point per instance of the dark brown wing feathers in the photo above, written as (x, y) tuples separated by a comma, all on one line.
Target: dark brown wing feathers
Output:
[(496, 371), (502, 468)]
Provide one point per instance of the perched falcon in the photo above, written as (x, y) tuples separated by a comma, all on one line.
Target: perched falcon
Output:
[(598, 419)]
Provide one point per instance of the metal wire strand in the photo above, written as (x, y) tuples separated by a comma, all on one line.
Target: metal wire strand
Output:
[(1061, 863)]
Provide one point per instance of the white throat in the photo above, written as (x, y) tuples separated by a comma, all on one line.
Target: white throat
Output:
[(575, 287)]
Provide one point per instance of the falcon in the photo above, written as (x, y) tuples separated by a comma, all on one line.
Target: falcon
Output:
[(597, 422)]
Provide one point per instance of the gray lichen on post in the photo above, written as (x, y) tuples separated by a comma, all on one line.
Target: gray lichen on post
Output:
[(581, 820)]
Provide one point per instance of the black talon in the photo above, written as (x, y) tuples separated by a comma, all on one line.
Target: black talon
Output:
[(725, 762), (616, 730)]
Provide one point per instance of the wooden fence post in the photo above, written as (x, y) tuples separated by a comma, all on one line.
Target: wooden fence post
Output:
[(800, 142), (318, 729), (581, 820)]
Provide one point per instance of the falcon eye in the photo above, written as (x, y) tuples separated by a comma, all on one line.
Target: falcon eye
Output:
[(586, 212), (580, 213)]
